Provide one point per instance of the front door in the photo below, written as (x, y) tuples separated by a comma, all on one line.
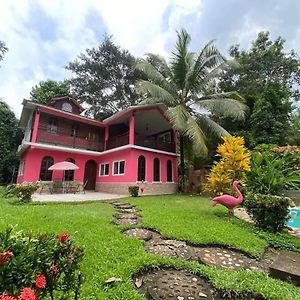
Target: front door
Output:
[(90, 173)]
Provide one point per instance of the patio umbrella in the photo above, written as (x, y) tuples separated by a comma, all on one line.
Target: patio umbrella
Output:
[(63, 166)]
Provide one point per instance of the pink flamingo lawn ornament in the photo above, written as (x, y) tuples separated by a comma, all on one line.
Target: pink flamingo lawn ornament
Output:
[(229, 201)]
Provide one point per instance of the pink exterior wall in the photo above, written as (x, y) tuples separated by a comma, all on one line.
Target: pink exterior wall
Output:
[(33, 158), (131, 165)]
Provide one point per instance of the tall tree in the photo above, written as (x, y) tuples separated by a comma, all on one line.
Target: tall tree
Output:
[(181, 85), (264, 67), (48, 89), (10, 137), (104, 79), (3, 49)]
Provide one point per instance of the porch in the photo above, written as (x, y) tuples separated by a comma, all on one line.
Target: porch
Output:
[(78, 197)]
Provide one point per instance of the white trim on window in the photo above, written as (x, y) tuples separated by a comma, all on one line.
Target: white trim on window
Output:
[(103, 164), (113, 167)]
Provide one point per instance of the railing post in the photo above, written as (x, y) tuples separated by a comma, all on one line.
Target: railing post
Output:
[(106, 136), (131, 129), (35, 126)]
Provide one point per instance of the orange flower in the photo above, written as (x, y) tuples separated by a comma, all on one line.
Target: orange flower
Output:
[(27, 294)]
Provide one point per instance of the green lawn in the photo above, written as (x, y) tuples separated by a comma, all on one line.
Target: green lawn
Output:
[(109, 253)]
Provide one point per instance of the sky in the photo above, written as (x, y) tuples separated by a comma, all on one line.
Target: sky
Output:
[(43, 36)]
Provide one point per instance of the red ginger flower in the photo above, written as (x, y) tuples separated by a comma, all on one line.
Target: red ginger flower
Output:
[(40, 281), (63, 237), (27, 294), (7, 297), (5, 257)]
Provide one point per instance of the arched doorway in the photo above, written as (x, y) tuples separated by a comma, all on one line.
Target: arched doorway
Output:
[(90, 173)]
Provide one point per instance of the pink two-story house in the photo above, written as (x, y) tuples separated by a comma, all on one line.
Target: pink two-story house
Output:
[(137, 144)]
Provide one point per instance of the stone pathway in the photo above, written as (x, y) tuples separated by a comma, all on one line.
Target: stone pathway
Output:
[(180, 284)]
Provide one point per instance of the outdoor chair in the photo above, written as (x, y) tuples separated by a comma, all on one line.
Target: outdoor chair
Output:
[(46, 186)]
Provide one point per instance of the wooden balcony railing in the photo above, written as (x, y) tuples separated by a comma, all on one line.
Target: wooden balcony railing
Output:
[(155, 144), (62, 139), (117, 141)]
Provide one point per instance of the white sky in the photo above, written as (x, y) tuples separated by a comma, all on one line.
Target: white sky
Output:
[(44, 35)]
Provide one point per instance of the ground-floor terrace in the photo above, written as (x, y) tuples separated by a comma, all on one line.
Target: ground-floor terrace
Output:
[(111, 171)]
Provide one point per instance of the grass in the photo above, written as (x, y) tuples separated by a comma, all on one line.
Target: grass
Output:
[(109, 253)]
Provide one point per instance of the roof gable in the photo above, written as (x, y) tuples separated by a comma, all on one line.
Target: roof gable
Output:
[(66, 103)]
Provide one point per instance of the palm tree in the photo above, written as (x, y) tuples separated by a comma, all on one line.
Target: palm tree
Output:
[(181, 85)]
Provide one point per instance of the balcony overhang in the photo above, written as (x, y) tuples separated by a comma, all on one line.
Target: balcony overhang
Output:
[(25, 145)]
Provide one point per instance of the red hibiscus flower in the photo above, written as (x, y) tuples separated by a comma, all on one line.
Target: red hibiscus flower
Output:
[(63, 237), (7, 297), (27, 294), (40, 281), (5, 257)]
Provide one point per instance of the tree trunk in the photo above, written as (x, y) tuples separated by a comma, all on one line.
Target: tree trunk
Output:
[(181, 146)]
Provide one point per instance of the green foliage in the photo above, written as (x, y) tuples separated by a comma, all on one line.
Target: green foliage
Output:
[(265, 76), (294, 130), (48, 89), (269, 212), (23, 191), (10, 137), (104, 79), (273, 172), (108, 253), (133, 190), (270, 118), (25, 257)]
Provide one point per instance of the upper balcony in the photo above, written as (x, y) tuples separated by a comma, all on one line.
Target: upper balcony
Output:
[(146, 127), (63, 132)]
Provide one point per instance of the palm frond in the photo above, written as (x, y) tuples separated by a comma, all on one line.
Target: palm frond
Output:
[(210, 127), (197, 136), (226, 107), (178, 117), (154, 91), (160, 64), (154, 76), (182, 59)]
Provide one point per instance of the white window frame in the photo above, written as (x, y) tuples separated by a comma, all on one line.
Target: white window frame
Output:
[(103, 164), (21, 168), (113, 167)]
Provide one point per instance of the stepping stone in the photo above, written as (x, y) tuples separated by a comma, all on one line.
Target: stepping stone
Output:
[(226, 259), (170, 248), (126, 221), (118, 203), (172, 284), (128, 210), (125, 206), (127, 216), (139, 233), (287, 265)]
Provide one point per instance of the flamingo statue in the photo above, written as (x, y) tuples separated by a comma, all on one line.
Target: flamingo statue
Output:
[(229, 201)]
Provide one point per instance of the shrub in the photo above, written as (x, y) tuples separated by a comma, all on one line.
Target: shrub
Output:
[(23, 191), (272, 172), (269, 212), (45, 266), (233, 165), (134, 190)]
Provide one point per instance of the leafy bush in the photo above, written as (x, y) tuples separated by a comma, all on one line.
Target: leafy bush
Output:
[(134, 190), (269, 212), (23, 191), (41, 266), (233, 165), (272, 172)]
